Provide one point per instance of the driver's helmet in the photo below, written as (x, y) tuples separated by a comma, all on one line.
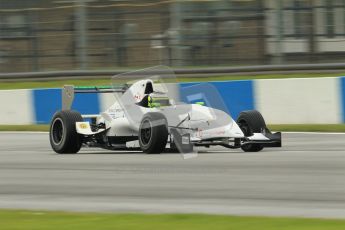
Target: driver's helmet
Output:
[(150, 102), (159, 100), (154, 100)]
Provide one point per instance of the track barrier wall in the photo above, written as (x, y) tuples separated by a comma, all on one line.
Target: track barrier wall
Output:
[(281, 101)]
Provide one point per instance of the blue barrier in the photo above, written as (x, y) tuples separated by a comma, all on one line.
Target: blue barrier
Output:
[(285, 101), (48, 101), (237, 95)]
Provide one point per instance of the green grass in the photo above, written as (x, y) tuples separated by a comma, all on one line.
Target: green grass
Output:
[(309, 128), (24, 127), (284, 128), (52, 84), (102, 80), (17, 220), (262, 76)]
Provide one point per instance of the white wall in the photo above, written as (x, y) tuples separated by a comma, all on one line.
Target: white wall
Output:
[(299, 101), (281, 101), (106, 100), (16, 107)]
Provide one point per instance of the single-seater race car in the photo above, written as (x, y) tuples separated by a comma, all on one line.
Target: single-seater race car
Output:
[(148, 114)]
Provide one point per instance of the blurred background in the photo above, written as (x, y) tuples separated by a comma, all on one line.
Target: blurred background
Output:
[(259, 52), (41, 35)]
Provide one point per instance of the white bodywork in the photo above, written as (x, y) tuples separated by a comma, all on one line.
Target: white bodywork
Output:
[(149, 114), (123, 118)]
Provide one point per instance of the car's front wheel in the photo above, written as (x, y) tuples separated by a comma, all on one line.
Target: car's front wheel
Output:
[(153, 133), (63, 135), (251, 122)]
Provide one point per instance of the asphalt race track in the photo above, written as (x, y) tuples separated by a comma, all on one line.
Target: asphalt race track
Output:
[(304, 178)]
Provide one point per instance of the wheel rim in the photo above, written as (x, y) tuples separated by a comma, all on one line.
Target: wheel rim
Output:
[(57, 131), (146, 132)]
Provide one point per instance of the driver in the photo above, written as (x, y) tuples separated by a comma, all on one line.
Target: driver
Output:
[(152, 101)]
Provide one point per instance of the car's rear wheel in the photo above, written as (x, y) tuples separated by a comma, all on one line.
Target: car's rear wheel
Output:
[(153, 133), (63, 135), (251, 122)]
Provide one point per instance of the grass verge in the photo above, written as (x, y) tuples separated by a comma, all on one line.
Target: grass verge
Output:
[(102, 80), (17, 220), (24, 128), (309, 128), (283, 128)]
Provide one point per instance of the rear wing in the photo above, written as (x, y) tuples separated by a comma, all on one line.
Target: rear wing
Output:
[(68, 92)]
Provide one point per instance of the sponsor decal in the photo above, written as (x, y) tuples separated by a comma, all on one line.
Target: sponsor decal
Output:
[(137, 97), (83, 126)]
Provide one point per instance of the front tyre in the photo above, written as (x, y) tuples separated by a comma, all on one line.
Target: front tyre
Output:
[(153, 133), (63, 135), (251, 122)]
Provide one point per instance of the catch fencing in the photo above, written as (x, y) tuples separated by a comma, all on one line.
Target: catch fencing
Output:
[(53, 35)]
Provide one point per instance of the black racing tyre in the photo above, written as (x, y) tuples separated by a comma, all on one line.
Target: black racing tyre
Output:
[(153, 133), (251, 122), (63, 135)]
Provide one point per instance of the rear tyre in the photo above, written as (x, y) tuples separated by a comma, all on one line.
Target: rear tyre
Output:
[(153, 133), (251, 122), (63, 135)]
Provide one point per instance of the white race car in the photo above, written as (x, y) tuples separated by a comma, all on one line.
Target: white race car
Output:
[(146, 114)]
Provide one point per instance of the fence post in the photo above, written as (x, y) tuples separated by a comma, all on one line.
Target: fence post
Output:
[(175, 37), (81, 29), (280, 31), (312, 48)]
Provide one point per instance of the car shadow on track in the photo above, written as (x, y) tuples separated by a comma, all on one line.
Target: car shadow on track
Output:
[(202, 152)]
